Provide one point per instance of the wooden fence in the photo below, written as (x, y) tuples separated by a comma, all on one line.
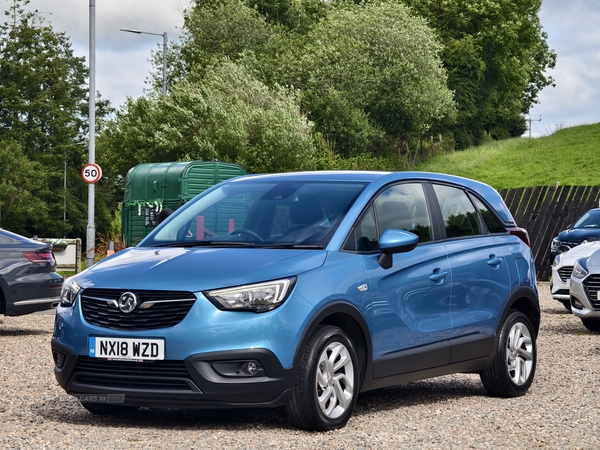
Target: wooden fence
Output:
[(544, 212)]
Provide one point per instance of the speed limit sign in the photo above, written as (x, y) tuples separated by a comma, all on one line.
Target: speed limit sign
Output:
[(91, 173)]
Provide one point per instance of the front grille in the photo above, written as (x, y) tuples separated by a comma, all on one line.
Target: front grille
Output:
[(569, 243), (156, 309), (149, 375), (565, 273), (592, 285)]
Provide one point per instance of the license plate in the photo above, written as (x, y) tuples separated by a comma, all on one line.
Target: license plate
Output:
[(126, 348)]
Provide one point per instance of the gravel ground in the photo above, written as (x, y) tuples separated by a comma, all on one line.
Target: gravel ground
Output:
[(561, 409)]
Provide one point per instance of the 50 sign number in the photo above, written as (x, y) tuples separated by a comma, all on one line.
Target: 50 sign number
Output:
[(91, 173)]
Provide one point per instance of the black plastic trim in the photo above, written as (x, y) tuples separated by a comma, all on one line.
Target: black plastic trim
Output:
[(413, 359), (272, 387)]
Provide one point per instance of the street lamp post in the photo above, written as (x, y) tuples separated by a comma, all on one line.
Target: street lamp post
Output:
[(91, 227), (164, 72)]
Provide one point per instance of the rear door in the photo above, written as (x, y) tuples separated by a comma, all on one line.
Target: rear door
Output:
[(480, 273)]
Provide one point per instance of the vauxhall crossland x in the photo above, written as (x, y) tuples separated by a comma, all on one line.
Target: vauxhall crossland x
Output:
[(302, 290)]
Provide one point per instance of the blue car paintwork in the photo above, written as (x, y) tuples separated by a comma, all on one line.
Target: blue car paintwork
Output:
[(409, 309), (480, 284), (196, 269)]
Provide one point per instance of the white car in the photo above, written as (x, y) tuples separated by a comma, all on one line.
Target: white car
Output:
[(562, 267), (585, 291)]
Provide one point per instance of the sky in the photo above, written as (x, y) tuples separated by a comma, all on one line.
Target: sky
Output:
[(123, 59)]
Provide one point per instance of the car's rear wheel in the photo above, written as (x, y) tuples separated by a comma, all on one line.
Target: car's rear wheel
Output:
[(327, 382), (513, 367), (591, 324), (105, 409)]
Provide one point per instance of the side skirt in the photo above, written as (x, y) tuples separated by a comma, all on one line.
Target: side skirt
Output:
[(461, 355)]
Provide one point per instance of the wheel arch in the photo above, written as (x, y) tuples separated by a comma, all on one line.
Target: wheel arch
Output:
[(524, 299), (348, 318)]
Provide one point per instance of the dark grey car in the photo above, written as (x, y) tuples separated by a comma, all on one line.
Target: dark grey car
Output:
[(28, 278)]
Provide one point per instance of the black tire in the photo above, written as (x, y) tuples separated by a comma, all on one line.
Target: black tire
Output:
[(591, 324), (566, 304), (328, 344), (513, 367), (108, 409)]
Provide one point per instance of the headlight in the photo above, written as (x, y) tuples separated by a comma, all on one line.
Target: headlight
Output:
[(69, 292), (580, 269), (258, 297), (556, 261)]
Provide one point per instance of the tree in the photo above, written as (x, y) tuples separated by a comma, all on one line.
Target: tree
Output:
[(370, 75), (223, 112), (21, 180), (212, 30), (43, 116), (298, 16), (496, 54)]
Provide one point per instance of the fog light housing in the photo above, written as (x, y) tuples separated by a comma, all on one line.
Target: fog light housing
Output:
[(576, 303), (59, 359), (250, 368)]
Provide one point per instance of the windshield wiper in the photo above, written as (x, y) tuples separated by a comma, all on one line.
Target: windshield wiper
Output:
[(297, 246), (207, 243)]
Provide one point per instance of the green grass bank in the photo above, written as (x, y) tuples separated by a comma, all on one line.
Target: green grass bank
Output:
[(570, 156)]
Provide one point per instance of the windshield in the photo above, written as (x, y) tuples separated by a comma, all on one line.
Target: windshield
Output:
[(259, 213), (590, 219)]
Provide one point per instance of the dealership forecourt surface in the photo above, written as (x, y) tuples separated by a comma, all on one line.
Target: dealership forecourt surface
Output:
[(559, 411)]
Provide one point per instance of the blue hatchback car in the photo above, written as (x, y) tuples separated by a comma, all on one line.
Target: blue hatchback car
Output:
[(303, 290)]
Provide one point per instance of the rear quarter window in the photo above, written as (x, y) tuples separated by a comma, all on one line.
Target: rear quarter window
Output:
[(493, 225)]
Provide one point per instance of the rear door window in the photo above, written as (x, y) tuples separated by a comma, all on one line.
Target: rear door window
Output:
[(459, 215)]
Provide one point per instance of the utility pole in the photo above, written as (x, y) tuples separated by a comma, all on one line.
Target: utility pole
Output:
[(531, 120)]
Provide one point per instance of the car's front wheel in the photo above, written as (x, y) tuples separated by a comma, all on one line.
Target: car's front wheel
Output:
[(513, 367), (327, 382), (591, 324)]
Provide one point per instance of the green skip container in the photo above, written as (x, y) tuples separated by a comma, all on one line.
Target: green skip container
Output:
[(153, 187)]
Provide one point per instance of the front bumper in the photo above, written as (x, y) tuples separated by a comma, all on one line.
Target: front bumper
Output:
[(581, 305), (559, 287), (201, 380)]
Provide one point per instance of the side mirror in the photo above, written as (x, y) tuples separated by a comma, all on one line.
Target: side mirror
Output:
[(395, 241)]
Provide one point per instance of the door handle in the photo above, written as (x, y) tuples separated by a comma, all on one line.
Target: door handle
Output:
[(438, 276), (494, 261)]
